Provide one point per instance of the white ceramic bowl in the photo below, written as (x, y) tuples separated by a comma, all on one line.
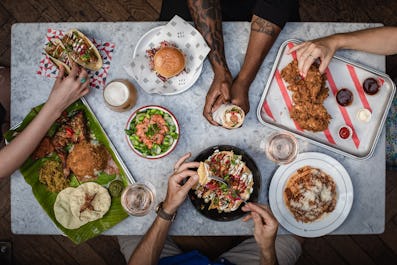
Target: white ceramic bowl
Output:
[(162, 153)]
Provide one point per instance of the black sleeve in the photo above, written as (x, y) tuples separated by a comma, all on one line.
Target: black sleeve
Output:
[(278, 12)]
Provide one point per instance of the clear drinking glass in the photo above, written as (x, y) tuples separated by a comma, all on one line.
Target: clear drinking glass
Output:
[(138, 199), (120, 95), (281, 147)]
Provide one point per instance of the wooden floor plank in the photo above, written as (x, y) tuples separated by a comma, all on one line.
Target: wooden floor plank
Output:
[(108, 248), (40, 250), (79, 10), (156, 4), (111, 10), (140, 10), (346, 247), (82, 253), (23, 11), (376, 249), (50, 10), (322, 253), (4, 15), (391, 208)]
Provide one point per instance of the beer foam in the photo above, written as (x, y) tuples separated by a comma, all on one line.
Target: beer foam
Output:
[(116, 93)]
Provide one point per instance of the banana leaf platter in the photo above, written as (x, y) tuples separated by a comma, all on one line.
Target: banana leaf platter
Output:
[(30, 171)]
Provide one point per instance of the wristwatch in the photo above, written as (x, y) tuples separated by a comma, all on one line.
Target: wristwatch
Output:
[(162, 214)]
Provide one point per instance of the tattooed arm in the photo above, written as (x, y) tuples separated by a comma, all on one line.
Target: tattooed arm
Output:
[(263, 34), (207, 17)]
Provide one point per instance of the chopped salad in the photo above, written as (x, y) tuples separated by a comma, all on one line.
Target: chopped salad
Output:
[(152, 132)]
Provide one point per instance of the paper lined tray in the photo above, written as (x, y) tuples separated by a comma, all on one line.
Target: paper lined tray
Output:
[(276, 102)]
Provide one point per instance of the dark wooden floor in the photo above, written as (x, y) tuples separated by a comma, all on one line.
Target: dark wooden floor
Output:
[(371, 249)]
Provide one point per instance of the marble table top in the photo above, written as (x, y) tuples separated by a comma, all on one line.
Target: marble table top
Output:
[(28, 89)]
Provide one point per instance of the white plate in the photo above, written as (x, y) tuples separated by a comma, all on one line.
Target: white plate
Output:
[(189, 79), (328, 222)]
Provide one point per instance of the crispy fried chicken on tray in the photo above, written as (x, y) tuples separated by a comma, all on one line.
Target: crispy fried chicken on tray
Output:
[(308, 96)]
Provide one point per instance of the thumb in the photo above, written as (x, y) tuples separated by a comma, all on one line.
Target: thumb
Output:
[(59, 78), (324, 64)]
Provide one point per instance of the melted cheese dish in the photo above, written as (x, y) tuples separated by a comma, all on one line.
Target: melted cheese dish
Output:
[(309, 194)]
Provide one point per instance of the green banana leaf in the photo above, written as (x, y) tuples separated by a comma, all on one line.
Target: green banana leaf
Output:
[(30, 171)]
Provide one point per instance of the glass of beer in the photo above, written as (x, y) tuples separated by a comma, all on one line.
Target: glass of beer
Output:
[(138, 199), (281, 147), (120, 95)]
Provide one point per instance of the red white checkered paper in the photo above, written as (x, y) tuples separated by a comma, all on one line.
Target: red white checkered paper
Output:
[(97, 79)]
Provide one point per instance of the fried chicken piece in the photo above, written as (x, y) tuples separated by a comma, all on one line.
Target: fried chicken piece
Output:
[(45, 147), (304, 95), (73, 131), (309, 116), (308, 96), (86, 159), (291, 75)]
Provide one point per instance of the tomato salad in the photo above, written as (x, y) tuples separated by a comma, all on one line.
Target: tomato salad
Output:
[(152, 132)]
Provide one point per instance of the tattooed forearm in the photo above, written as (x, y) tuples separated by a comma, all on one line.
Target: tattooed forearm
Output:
[(207, 17), (263, 26)]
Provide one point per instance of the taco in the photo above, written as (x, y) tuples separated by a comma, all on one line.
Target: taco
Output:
[(58, 55), (82, 50)]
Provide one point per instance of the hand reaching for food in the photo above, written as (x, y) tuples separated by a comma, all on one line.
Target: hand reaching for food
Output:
[(266, 224), (67, 90), (177, 192), (218, 94), (307, 53)]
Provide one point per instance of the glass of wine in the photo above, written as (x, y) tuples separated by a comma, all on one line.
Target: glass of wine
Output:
[(281, 147), (138, 199)]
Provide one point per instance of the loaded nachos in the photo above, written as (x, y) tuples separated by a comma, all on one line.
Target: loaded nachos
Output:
[(231, 168)]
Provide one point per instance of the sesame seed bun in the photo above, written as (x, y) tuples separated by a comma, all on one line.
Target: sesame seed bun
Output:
[(169, 62)]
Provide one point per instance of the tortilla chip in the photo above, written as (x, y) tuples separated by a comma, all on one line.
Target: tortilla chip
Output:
[(203, 174)]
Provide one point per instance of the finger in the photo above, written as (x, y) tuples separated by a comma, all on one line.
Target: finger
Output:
[(296, 47), (182, 175), (185, 166), (306, 65), (60, 75), (324, 64), (75, 70), (190, 183), (225, 90), (217, 104), (265, 213), (208, 115), (181, 160), (247, 218), (84, 92), (257, 219)]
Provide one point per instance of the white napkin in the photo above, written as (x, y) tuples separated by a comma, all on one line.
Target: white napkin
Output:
[(187, 39)]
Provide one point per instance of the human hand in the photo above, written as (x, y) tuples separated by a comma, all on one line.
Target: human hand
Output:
[(176, 192), (307, 52), (266, 225), (239, 95), (218, 94), (67, 90)]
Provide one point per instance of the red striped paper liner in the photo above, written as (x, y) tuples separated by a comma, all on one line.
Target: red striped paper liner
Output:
[(359, 87)]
